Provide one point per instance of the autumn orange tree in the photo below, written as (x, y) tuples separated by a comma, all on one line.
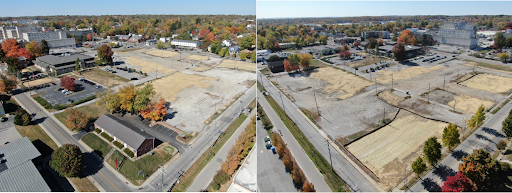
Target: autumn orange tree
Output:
[(289, 66), (155, 111), (25, 53), (11, 48), (481, 169), (407, 37), (89, 37), (34, 49), (7, 82), (76, 120)]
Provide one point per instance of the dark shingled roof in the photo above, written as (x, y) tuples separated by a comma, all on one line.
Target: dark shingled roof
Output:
[(126, 132), (53, 60)]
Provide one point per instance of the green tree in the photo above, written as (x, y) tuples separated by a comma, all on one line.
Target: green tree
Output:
[(19, 118), (253, 57), (477, 118), (160, 45), (399, 52), (377, 49), (68, 161), (45, 49), (394, 38), (12, 64), (323, 40), (489, 25), (451, 135), (507, 127), (77, 64), (508, 42), (105, 54), (243, 56), (142, 97), (247, 42), (419, 166), (432, 151), (372, 43), (110, 100), (499, 40)]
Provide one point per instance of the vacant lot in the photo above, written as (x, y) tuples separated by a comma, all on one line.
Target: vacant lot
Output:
[(207, 64), (238, 65), (387, 151), (170, 86), (366, 61), (469, 104), (147, 67), (162, 53), (345, 84), (197, 57), (490, 83), (391, 98), (408, 73), (103, 77), (38, 81)]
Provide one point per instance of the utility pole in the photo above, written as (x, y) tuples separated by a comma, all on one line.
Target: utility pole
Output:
[(375, 85), (444, 82), (318, 111)]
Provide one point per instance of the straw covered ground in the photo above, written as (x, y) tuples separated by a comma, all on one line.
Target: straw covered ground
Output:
[(170, 86), (490, 83), (147, 67), (408, 73), (345, 83)]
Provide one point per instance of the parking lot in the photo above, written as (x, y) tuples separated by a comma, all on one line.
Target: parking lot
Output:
[(122, 73), (55, 97)]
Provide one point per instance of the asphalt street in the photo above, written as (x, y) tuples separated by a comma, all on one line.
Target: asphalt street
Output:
[(93, 165), (272, 175), (486, 137), (305, 163), (355, 180)]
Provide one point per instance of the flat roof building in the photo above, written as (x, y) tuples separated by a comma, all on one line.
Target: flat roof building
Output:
[(458, 34), (63, 64), (375, 34), (186, 43)]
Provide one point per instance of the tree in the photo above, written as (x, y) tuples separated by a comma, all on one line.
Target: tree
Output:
[(499, 40), (356, 44), (481, 169), (7, 82), (274, 58), (508, 42), (399, 52), (105, 54), (142, 97), (22, 118), (127, 95), (477, 118), (45, 50), (305, 60), (507, 127), (24, 52), (451, 135), (377, 49), (458, 183), (11, 48), (247, 42), (298, 176), (243, 55), (407, 37), (13, 64), (77, 64), (68, 83), (308, 187), (426, 40), (345, 54), (372, 43), (502, 144), (419, 166), (76, 120), (155, 111), (110, 99), (289, 66), (34, 49), (288, 161), (345, 47), (160, 45), (68, 161), (432, 151), (89, 37), (323, 40), (394, 38), (503, 57)]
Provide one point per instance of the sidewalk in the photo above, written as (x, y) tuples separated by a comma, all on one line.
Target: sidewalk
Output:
[(204, 178)]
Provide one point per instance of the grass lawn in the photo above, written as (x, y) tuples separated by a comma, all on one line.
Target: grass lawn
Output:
[(148, 164), (317, 64), (189, 176), (46, 146), (103, 77), (333, 180), (264, 118), (98, 145), (265, 71), (93, 110)]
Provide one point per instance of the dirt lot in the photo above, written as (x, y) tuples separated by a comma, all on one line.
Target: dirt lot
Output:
[(104, 78), (207, 64), (469, 104), (37, 82), (197, 57), (345, 84), (408, 73), (238, 65), (366, 62), (391, 98), (180, 82), (490, 83), (147, 67), (162, 53), (389, 149)]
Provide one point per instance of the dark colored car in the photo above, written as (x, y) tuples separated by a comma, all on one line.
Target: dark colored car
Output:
[(3, 119), (134, 79)]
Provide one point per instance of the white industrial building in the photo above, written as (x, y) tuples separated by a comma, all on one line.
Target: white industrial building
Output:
[(15, 32), (38, 36), (186, 43), (458, 34)]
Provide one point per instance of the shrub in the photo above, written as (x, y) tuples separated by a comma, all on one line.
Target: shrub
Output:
[(60, 107), (118, 145), (107, 137), (129, 152), (43, 102), (220, 178), (84, 100), (97, 130), (501, 145)]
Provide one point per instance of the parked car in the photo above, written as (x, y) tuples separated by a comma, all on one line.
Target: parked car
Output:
[(3, 119), (71, 101), (134, 79)]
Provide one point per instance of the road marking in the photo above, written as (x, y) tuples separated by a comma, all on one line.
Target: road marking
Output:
[(70, 143), (424, 190)]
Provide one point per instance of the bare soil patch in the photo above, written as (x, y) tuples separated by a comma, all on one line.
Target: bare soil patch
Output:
[(345, 83), (489, 82), (103, 77), (170, 86), (469, 104), (147, 67), (238, 65), (162, 53)]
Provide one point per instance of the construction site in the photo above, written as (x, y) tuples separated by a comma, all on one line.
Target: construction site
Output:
[(383, 118), (195, 86)]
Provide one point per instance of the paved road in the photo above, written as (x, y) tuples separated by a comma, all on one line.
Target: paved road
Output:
[(486, 137), (305, 163), (272, 175), (206, 175), (93, 165), (208, 137), (355, 180)]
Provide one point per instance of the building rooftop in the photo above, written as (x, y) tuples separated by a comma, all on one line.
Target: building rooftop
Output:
[(53, 60), (126, 132), (189, 41)]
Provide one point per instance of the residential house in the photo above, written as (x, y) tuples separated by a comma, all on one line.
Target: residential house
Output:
[(227, 43), (234, 49), (131, 137), (165, 39)]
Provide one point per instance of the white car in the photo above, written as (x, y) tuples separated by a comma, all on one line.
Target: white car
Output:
[(64, 91)]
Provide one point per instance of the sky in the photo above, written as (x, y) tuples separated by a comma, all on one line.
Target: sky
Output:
[(287, 9), (127, 7)]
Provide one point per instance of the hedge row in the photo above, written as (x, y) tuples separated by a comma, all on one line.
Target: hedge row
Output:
[(97, 130), (107, 137), (129, 152), (118, 145), (84, 100), (43, 102)]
